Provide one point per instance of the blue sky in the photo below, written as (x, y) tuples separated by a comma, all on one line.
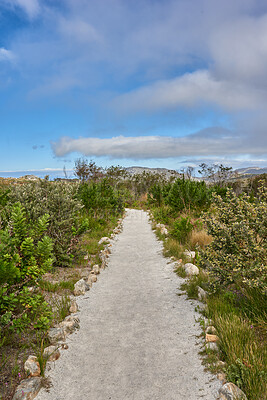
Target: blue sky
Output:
[(147, 82)]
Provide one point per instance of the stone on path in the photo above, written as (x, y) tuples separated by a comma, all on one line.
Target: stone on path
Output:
[(32, 366), (28, 389), (191, 269), (51, 353), (80, 287), (230, 391)]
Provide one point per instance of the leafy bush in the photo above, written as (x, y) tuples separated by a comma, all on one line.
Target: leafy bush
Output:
[(188, 195), (182, 229), (100, 198), (237, 253), (58, 200), (25, 254)]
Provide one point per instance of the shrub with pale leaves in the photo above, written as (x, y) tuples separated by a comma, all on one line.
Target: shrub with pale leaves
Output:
[(237, 253)]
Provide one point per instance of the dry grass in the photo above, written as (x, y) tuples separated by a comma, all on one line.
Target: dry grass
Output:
[(199, 238)]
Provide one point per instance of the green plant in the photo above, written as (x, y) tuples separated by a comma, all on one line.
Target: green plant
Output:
[(182, 229), (188, 195), (244, 353), (192, 283), (237, 253), (60, 202), (172, 248), (41, 343), (61, 307)]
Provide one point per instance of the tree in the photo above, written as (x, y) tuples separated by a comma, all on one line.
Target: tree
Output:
[(87, 171), (216, 174)]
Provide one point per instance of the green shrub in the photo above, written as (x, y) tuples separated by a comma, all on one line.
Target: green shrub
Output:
[(100, 198), (182, 229), (59, 201), (237, 253), (188, 195), (25, 254)]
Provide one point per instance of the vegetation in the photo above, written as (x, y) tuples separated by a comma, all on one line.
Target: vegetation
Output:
[(50, 232), (224, 222)]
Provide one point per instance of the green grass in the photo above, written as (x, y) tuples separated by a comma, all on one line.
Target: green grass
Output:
[(192, 283), (172, 248), (242, 344), (180, 271), (61, 306)]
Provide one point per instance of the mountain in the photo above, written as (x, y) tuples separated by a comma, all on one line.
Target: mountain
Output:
[(251, 171), (162, 171)]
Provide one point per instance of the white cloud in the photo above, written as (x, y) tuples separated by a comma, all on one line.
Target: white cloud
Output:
[(78, 30), (213, 141), (6, 55), (191, 90), (239, 49), (31, 7)]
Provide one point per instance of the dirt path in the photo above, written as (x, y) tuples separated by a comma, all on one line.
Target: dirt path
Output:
[(137, 338)]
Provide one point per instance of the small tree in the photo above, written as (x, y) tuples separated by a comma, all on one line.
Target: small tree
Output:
[(216, 174), (88, 171)]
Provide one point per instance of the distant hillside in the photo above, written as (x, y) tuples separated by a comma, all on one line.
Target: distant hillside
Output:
[(252, 171), (163, 171)]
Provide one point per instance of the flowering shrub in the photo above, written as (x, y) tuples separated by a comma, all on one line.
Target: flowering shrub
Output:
[(237, 253)]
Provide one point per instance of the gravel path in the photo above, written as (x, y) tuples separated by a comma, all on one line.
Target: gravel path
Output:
[(138, 339)]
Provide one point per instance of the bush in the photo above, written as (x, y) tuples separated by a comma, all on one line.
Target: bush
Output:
[(237, 253), (188, 195), (25, 255), (182, 229), (100, 199), (58, 200)]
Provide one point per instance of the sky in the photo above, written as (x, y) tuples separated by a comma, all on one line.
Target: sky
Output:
[(156, 83)]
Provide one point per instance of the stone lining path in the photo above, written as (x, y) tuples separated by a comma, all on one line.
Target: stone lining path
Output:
[(137, 338)]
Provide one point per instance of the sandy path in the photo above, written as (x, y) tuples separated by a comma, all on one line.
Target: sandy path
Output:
[(137, 338)]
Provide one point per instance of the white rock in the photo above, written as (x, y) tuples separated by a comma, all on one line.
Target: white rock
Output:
[(96, 269), (51, 353), (220, 364), (73, 306), (164, 231), (103, 239), (89, 281), (93, 278), (69, 324), (190, 255), (80, 287), (32, 366), (210, 329), (212, 346), (230, 391), (202, 295), (191, 269)]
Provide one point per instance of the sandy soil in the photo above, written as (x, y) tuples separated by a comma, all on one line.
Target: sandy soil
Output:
[(138, 339)]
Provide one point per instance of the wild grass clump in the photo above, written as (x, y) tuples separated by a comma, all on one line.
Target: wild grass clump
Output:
[(172, 248), (246, 357), (61, 306), (192, 283), (199, 239)]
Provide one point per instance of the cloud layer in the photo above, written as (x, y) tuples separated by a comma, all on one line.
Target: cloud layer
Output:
[(215, 141)]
